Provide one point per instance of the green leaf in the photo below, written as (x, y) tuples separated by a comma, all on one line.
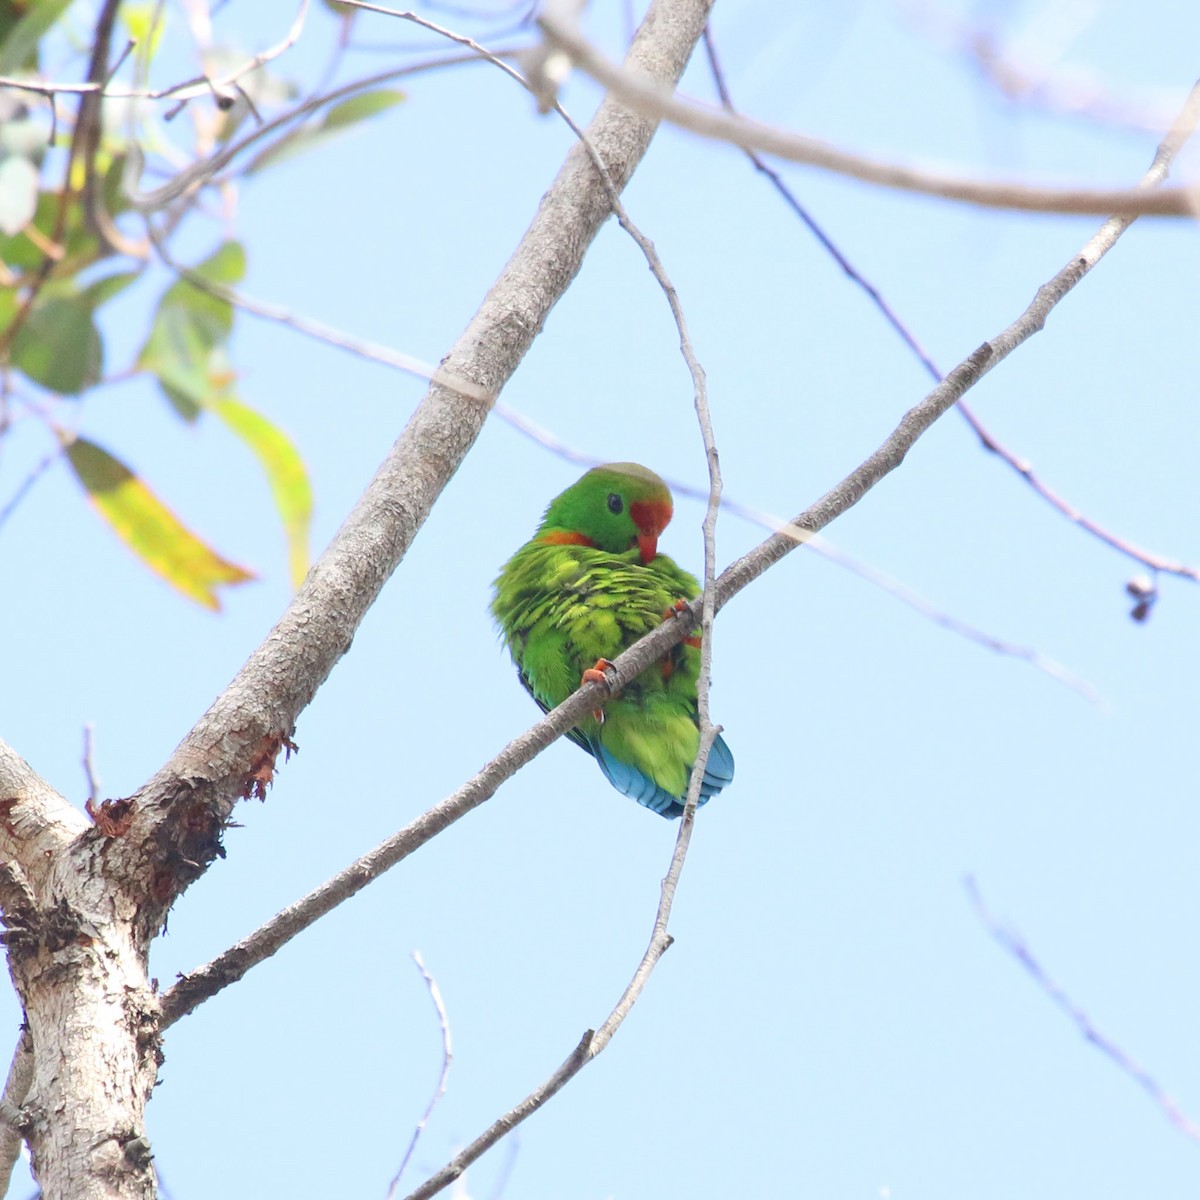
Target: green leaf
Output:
[(185, 347), (181, 402), (225, 265), (294, 142), (59, 345), (177, 352), (18, 194), (285, 473), (19, 48), (80, 246), (149, 528), (100, 291), (341, 115), (362, 106)]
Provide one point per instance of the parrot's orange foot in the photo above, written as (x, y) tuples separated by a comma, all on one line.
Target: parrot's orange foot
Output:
[(679, 609), (597, 674)]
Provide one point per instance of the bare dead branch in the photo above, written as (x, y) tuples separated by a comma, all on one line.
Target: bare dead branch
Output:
[(439, 1006), (197, 175), (386, 356), (317, 330), (628, 665), (893, 587), (1064, 93), (650, 98), (1024, 468), (1150, 559), (700, 391), (194, 989), (22, 489), (963, 377), (1014, 944), (181, 807), (229, 966), (412, 365), (233, 963), (593, 1042), (100, 85), (511, 1119)]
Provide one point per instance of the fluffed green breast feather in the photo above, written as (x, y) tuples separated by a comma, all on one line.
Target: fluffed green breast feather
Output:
[(560, 608)]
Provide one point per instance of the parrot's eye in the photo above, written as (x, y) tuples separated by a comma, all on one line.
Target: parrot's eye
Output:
[(615, 503)]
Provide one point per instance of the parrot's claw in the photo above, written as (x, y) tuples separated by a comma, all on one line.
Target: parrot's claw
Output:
[(681, 608), (597, 674)]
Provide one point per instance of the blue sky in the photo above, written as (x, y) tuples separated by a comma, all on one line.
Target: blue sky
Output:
[(833, 1020)]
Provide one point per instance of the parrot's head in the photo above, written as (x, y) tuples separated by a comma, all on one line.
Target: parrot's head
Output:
[(614, 508)]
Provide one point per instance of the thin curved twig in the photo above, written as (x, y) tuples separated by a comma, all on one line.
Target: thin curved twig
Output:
[(1148, 558), (23, 488), (231, 965), (439, 1091), (1015, 945), (1071, 94), (231, 751), (412, 365), (648, 98), (193, 990), (196, 175)]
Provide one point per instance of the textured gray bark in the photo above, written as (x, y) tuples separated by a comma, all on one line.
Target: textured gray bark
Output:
[(82, 903)]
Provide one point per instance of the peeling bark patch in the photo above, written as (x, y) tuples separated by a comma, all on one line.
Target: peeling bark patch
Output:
[(199, 821), (137, 1152), (61, 928), (6, 807), (113, 817), (189, 845), (262, 764), (162, 887)]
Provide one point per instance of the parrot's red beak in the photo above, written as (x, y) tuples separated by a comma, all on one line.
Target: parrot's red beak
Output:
[(651, 517)]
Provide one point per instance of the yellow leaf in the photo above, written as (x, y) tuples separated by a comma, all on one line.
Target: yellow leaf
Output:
[(149, 528), (285, 473)]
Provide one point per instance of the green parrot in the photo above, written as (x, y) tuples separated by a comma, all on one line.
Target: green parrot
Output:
[(587, 586)]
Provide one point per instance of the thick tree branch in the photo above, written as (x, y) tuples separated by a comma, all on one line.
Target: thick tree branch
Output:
[(233, 963), (232, 749), (650, 98), (836, 501), (193, 989), (35, 821), (16, 1087)]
